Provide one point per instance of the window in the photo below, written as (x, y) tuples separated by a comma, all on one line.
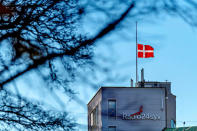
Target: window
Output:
[(173, 125), (91, 119), (112, 128), (94, 118), (112, 108)]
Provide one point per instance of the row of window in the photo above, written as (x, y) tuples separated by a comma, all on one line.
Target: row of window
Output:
[(111, 112), (111, 115)]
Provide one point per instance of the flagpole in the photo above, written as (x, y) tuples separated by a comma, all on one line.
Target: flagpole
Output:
[(136, 57)]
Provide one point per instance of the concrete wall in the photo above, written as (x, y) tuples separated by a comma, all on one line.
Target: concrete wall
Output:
[(156, 101), (129, 101), (171, 109), (96, 101)]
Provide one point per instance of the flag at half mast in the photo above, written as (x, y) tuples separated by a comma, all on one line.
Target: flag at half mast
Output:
[(145, 51)]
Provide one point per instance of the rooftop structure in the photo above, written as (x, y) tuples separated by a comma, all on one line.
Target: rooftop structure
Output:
[(150, 106)]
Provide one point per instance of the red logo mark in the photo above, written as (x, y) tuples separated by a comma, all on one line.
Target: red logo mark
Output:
[(139, 112)]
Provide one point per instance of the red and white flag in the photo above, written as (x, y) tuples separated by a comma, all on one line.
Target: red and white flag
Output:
[(145, 51)]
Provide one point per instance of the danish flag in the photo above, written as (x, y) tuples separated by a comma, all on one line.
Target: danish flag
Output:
[(145, 51)]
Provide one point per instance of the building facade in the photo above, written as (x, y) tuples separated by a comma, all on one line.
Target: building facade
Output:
[(150, 106)]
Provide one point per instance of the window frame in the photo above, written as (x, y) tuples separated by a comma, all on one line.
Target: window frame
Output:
[(94, 117), (109, 117)]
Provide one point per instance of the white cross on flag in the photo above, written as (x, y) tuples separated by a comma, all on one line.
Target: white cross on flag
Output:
[(145, 51)]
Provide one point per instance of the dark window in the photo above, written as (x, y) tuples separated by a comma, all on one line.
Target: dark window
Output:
[(112, 128), (112, 108)]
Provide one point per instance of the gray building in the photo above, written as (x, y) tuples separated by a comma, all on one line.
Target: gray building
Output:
[(150, 106)]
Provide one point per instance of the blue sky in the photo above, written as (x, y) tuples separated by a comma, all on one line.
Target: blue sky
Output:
[(175, 59), (175, 47)]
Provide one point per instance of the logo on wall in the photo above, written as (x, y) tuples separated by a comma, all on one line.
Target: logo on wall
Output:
[(140, 115)]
